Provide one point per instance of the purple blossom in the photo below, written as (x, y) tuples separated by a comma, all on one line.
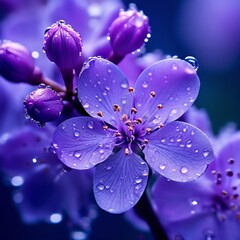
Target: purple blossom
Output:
[(130, 27), (43, 105), (129, 125), (16, 62), (210, 205)]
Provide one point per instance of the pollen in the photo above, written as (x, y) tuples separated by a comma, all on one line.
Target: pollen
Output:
[(152, 94), (116, 108), (100, 114), (134, 110), (124, 117), (131, 89)]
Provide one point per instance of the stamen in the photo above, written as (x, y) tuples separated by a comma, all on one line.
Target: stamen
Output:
[(131, 89), (127, 151), (149, 130), (152, 94), (100, 114), (105, 127), (138, 121), (143, 146), (130, 128), (116, 108), (235, 196), (224, 193), (159, 106), (124, 117), (128, 123), (145, 141), (161, 125), (117, 134), (134, 110)]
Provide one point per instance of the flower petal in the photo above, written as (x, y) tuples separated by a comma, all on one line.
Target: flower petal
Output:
[(81, 142), (175, 84), (120, 181), (101, 85), (179, 151)]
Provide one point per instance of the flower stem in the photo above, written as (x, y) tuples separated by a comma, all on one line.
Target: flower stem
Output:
[(145, 210)]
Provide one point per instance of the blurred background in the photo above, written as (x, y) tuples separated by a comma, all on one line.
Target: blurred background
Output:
[(207, 30)]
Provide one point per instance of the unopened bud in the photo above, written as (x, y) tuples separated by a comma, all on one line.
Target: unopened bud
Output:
[(16, 62)]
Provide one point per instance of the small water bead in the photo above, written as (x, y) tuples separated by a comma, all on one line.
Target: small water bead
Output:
[(85, 105), (145, 173), (206, 153), (184, 170), (162, 166), (76, 133), (193, 61), (144, 84), (124, 85), (108, 168), (100, 186), (90, 125), (56, 218), (77, 154), (163, 140), (138, 180), (138, 186)]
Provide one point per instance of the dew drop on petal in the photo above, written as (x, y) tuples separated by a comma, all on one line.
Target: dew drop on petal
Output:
[(77, 154), (184, 170), (162, 166), (124, 85), (90, 125), (86, 105), (138, 180), (76, 133), (144, 85), (100, 186), (206, 153), (193, 61)]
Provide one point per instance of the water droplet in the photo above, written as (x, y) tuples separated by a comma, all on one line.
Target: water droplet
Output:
[(17, 181), (76, 133), (77, 154), (63, 126), (138, 180), (108, 168), (194, 202), (56, 218), (41, 86), (189, 144), (196, 150), (86, 105), (193, 61), (101, 151), (145, 172), (138, 186), (100, 186), (184, 170), (144, 85), (124, 85), (174, 66), (34, 160), (90, 125), (163, 140), (162, 166), (111, 190), (206, 153), (109, 70)]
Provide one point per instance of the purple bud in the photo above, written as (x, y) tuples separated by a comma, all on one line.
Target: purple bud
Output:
[(16, 62), (43, 105), (63, 45), (129, 31)]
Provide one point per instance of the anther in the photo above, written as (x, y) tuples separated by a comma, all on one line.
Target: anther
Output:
[(116, 108), (152, 94), (105, 127), (159, 106), (134, 110), (130, 128), (117, 134), (145, 141), (235, 196), (143, 146), (131, 89), (234, 188), (161, 125), (124, 117), (138, 121), (128, 123), (127, 151), (100, 114), (149, 130)]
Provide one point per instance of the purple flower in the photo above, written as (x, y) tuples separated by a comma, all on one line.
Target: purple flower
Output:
[(43, 105), (16, 62), (63, 45), (210, 205), (128, 32), (130, 125)]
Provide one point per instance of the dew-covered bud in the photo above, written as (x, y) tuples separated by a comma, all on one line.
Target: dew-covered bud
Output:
[(43, 105), (129, 31), (63, 45), (16, 62)]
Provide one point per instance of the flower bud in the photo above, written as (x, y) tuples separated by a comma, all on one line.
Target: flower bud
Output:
[(129, 31), (43, 105), (63, 45), (16, 62)]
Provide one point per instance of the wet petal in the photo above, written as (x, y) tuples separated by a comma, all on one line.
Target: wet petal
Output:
[(81, 142), (175, 84), (101, 85), (179, 151), (120, 181)]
